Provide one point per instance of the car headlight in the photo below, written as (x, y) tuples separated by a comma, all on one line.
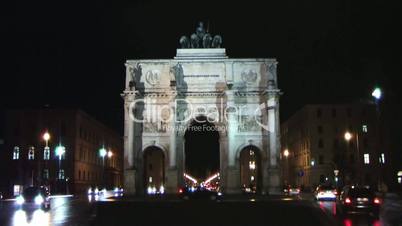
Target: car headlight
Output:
[(20, 200), (89, 191), (39, 200)]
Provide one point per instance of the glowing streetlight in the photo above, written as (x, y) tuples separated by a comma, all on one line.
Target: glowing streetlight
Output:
[(286, 153), (46, 138), (102, 152), (348, 136), (377, 93), (109, 154), (60, 151)]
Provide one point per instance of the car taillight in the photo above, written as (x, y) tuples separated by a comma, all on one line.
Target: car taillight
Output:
[(180, 190), (377, 201), (348, 201)]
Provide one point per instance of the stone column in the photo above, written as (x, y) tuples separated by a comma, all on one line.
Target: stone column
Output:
[(273, 172), (232, 175), (129, 170), (172, 174)]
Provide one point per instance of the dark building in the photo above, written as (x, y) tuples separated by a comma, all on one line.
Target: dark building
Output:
[(69, 162), (338, 144)]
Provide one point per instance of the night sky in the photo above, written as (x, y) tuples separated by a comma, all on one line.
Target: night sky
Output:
[(67, 54)]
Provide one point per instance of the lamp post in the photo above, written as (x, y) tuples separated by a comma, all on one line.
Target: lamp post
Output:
[(348, 136), (46, 152), (60, 151), (286, 154), (377, 94), (103, 152)]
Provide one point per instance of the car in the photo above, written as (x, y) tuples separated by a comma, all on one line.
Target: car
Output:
[(198, 193), (93, 191), (359, 199), (325, 192), (118, 191), (291, 190), (34, 197)]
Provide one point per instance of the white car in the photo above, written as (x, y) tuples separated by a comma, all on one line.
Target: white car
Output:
[(325, 192)]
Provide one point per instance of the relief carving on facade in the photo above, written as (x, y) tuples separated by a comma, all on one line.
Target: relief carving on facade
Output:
[(249, 76), (155, 127), (153, 77), (249, 123)]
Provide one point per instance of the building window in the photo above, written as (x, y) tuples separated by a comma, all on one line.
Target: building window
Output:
[(382, 158), (46, 174), (79, 174), (319, 128), (46, 153), (320, 143), (333, 113), (320, 159), (16, 153), (61, 174), (364, 128), (31, 153), (319, 113), (366, 159)]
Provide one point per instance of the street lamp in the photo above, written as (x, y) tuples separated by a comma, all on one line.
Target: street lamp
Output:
[(348, 136), (103, 152), (46, 138), (286, 153), (60, 151), (377, 93)]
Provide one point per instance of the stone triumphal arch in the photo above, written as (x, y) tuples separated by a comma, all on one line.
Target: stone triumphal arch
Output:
[(238, 97)]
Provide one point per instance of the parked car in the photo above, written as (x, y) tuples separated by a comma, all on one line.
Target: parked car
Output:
[(358, 199), (34, 197), (325, 192)]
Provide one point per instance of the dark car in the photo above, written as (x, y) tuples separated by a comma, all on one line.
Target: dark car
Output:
[(198, 193), (34, 197), (358, 199)]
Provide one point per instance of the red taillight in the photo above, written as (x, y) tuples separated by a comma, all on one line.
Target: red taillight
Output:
[(180, 190), (377, 201), (335, 192), (348, 201)]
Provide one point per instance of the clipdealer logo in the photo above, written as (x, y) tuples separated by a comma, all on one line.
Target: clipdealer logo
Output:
[(182, 111)]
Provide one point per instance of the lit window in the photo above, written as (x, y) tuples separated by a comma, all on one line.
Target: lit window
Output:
[(251, 152), (364, 128), (45, 174), (251, 165), (366, 159), (382, 158), (31, 153), (61, 174), (16, 153), (46, 153), (150, 179)]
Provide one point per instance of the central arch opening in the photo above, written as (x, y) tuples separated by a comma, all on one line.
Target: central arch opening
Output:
[(202, 159)]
